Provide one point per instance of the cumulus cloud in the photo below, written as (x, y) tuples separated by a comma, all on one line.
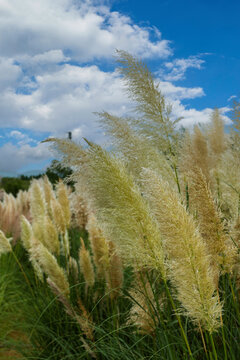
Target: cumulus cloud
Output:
[(178, 92), (13, 157), (48, 80), (65, 100), (9, 73), (193, 116), (83, 30), (177, 68), (21, 138)]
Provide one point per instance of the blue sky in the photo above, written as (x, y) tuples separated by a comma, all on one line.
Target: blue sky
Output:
[(56, 66)]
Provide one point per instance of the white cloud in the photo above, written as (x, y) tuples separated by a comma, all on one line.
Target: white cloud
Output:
[(13, 157), (65, 100), (193, 116), (46, 62), (232, 97), (83, 30), (46, 85), (178, 67), (179, 92), (21, 138), (10, 73)]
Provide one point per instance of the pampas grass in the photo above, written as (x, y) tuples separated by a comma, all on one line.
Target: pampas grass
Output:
[(141, 260)]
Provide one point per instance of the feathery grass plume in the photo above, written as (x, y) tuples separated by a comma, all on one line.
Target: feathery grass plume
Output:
[(49, 194), (49, 265), (5, 245), (72, 154), (189, 263), (195, 153), (99, 246), (8, 213), (79, 209), (37, 201), (37, 269), (65, 245), (114, 275), (235, 131), (51, 236), (73, 268), (216, 135), (156, 120), (229, 172), (85, 321), (11, 210), (136, 149), (26, 233), (23, 205), (212, 230), (123, 214), (86, 265), (58, 216), (235, 233), (1, 212), (27, 239), (62, 196), (10, 217), (38, 232)]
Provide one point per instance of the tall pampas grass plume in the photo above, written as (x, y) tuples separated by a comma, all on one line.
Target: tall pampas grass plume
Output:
[(99, 246), (37, 201), (62, 195), (5, 245), (219, 246), (189, 264), (86, 265), (50, 267)]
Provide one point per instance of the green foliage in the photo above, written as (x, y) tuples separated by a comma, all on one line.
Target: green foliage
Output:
[(54, 172), (57, 171), (13, 185)]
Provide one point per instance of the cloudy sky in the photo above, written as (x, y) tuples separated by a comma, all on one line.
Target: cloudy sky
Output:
[(57, 67)]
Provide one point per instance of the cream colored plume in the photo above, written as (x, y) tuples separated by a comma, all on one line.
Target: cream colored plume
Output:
[(48, 193), (219, 246), (79, 208), (86, 266), (136, 149), (46, 233), (49, 266), (5, 245), (195, 153), (51, 236), (62, 195), (216, 135), (114, 275), (123, 215), (99, 246), (37, 201), (58, 216), (229, 175), (189, 264), (157, 121), (26, 233), (73, 268)]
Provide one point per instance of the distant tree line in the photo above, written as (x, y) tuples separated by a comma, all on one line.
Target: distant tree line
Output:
[(54, 172)]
